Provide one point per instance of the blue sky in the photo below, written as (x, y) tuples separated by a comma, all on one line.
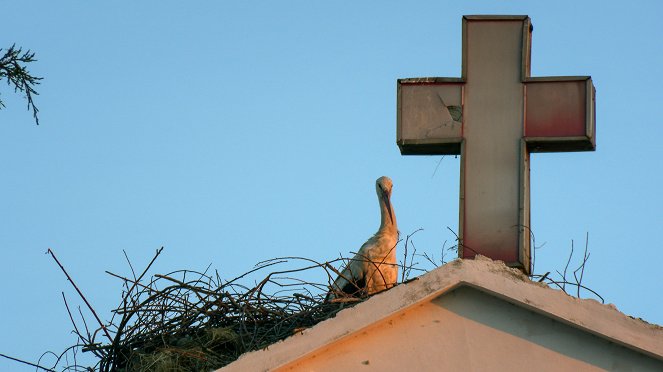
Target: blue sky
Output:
[(232, 132)]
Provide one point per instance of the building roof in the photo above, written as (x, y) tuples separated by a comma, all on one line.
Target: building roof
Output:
[(493, 280)]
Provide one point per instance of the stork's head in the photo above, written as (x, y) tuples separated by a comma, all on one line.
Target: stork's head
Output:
[(383, 187)]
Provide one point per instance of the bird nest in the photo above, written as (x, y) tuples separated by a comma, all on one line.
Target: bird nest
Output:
[(191, 320)]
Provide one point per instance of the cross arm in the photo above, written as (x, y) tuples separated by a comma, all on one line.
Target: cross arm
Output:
[(429, 116), (560, 114)]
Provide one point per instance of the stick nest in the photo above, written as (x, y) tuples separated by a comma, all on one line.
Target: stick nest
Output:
[(188, 320)]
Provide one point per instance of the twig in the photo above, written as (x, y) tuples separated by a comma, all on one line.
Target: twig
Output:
[(544, 276), (26, 362), (405, 248), (81, 294), (567, 264), (70, 316), (585, 257), (461, 245), (437, 166)]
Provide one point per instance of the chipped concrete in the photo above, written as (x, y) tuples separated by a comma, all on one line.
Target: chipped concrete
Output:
[(399, 312)]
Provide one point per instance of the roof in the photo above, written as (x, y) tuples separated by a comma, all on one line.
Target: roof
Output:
[(492, 278)]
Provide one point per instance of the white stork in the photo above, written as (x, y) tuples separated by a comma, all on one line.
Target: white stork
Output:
[(373, 268)]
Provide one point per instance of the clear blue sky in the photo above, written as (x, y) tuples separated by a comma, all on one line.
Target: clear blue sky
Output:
[(232, 132)]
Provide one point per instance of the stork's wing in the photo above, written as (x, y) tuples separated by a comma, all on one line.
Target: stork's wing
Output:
[(351, 281)]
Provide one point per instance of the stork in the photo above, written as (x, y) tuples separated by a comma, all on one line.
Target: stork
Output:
[(373, 268)]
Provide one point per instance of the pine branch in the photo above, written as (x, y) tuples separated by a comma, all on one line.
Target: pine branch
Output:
[(13, 68)]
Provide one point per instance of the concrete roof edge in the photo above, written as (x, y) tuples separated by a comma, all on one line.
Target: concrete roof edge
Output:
[(492, 277)]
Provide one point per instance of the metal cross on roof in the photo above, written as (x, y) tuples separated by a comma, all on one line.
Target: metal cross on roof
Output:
[(494, 116)]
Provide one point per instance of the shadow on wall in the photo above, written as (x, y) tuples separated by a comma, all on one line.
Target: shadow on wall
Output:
[(501, 316)]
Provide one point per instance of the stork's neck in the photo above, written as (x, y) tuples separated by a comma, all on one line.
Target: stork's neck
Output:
[(386, 223)]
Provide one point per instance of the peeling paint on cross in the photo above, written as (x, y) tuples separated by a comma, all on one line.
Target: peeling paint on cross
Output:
[(494, 116)]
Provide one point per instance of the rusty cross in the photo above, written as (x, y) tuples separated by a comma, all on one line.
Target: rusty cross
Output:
[(494, 116)]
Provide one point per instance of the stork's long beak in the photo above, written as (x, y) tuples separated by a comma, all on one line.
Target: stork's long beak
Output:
[(387, 203)]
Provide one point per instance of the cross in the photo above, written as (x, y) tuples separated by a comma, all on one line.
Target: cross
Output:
[(494, 116)]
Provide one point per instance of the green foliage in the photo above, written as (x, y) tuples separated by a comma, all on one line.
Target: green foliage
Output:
[(13, 68)]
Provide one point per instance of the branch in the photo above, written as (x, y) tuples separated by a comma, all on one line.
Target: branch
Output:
[(28, 363), (81, 294), (18, 76)]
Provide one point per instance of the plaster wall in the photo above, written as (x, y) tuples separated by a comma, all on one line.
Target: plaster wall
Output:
[(469, 330)]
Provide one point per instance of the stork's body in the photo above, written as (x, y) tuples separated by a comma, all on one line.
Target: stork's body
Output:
[(373, 268)]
